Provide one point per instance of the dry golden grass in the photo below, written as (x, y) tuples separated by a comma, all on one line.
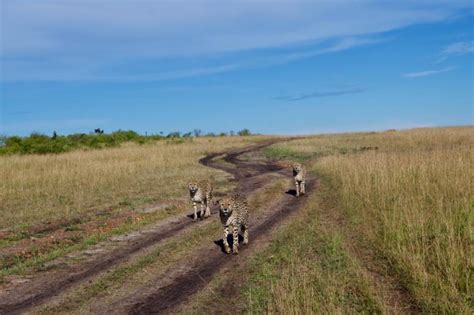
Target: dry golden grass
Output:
[(412, 198), (42, 188), (390, 141)]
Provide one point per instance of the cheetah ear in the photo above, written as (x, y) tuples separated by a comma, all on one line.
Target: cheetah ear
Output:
[(217, 202)]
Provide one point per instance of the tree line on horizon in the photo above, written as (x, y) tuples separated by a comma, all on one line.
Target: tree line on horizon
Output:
[(38, 143)]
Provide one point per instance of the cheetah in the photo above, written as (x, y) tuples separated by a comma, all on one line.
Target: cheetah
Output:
[(234, 211), (201, 193), (299, 173)]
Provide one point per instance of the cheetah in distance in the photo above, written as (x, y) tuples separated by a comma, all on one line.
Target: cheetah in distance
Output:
[(299, 174), (234, 211), (201, 193)]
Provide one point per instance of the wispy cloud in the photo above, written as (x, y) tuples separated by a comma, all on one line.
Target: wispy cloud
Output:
[(92, 37), (426, 73), (42, 73), (337, 46), (319, 94), (456, 49)]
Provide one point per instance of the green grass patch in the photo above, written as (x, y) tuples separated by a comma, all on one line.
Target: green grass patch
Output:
[(306, 270), (282, 153)]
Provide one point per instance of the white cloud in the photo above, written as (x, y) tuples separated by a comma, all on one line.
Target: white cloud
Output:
[(456, 49), (426, 73), (340, 45), (79, 39), (321, 93)]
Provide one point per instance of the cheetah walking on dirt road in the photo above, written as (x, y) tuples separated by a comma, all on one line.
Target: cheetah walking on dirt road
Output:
[(234, 211), (299, 174), (201, 193)]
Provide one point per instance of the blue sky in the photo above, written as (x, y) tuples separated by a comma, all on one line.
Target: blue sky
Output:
[(279, 67)]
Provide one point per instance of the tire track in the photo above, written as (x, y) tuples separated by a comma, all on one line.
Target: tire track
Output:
[(165, 299), (194, 278)]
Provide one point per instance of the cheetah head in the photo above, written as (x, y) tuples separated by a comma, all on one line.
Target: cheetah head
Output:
[(193, 187), (297, 167), (225, 206)]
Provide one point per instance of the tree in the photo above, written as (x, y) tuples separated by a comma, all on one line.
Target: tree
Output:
[(175, 134), (244, 132), (197, 132)]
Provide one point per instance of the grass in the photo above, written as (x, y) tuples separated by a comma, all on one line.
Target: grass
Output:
[(44, 188), (411, 197), (308, 273)]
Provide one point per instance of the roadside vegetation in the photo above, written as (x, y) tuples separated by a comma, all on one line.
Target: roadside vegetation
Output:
[(308, 270), (408, 194), (38, 143)]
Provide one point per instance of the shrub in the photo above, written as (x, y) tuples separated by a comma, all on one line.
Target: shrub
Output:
[(244, 132), (38, 143)]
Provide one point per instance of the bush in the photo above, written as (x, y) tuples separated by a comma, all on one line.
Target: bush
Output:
[(38, 143), (244, 132), (41, 144)]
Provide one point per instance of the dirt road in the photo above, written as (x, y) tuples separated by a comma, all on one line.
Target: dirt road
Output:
[(180, 282)]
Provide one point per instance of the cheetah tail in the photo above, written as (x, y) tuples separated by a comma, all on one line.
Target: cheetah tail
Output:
[(210, 195)]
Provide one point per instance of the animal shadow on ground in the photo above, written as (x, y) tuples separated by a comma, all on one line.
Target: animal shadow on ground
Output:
[(191, 215), (291, 192), (230, 240)]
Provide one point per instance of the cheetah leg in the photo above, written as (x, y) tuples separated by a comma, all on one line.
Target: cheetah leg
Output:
[(224, 239), (235, 246), (245, 229), (202, 211), (303, 188), (195, 211), (297, 189), (208, 211)]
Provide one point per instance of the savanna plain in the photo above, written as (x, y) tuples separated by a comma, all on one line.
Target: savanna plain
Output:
[(386, 226)]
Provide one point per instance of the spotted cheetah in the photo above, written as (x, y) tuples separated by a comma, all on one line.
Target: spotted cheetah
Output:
[(201, 193), (234, 211), (299, 173)]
